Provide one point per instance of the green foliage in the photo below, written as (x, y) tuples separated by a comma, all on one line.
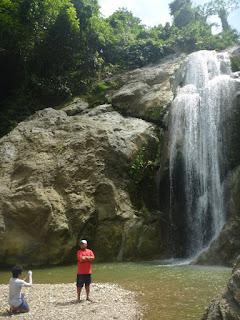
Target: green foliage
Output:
[(222, 8), (190, 38), (235, 62), (182, 11), (198, 36), (224, 39), (140, 166), (31, 27), (233, 130), (97, 95), (214, 7), (45, 53), (51, 50), (176, 5), (131, 44), (184, 16), (142, 172)]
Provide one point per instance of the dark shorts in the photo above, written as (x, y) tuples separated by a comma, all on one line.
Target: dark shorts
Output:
[(24, 306), (83, 279)]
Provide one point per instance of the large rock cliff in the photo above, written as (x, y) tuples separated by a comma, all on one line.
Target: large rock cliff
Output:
[(66, 177), (147, 93), (66, 174), (227, 305), (101, 173)]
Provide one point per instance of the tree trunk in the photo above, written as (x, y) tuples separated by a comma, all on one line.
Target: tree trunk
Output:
[(222, 13)]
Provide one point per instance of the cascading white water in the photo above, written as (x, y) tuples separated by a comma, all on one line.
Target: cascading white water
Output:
[(197, 140)]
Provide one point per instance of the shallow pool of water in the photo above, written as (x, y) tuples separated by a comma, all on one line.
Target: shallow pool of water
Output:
[(166, 292)]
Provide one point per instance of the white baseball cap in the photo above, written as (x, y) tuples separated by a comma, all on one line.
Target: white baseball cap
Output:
[(83, 241)]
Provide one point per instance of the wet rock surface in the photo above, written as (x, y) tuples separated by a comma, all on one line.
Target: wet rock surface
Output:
[(146, 93), (227, 305)]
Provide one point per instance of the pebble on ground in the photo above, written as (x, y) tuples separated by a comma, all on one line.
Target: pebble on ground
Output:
[(58, 301)]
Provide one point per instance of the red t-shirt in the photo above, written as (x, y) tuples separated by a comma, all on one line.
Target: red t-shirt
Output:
[(84, 267)]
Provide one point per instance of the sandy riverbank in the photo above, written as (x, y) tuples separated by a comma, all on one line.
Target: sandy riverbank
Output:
[(58, 301)]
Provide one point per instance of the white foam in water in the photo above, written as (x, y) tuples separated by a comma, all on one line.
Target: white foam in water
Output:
[(174, 262), (197, 114)]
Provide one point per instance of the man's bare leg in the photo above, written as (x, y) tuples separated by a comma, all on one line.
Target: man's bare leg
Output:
[(87, 288), (78, 293)]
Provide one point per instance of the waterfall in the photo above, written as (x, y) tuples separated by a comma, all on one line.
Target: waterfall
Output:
[(197, 141)]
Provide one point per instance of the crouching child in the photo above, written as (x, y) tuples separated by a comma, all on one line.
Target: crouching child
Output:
[(17, 301)]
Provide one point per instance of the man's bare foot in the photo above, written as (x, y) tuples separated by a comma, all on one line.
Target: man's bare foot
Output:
[(90, 300), (12, 311), (79, 300)]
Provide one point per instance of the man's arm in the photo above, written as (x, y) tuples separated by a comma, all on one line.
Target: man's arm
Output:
[(80, 257), (29, 282), (89, 258)]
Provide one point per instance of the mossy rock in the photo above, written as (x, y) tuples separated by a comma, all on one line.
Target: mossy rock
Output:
[(108, 241), (233, 132), (236, 265), (141, 241), (235, 63), (156, 114), (97, 95), (132, 233), (149, 242), (236, 188)]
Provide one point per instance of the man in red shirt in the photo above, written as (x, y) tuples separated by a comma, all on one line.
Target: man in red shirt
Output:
[(85, 258)]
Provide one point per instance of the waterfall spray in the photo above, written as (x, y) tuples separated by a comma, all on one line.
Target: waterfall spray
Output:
[(197, 140)]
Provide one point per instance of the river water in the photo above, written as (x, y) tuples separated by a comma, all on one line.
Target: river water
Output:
[(166, 292)]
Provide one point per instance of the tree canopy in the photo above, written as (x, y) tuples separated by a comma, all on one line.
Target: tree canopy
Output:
[(221, 8), (51, 50)]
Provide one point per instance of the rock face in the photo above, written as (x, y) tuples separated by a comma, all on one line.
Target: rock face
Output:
[(64, 176), (147, 92), (227, 306), (236, 265)]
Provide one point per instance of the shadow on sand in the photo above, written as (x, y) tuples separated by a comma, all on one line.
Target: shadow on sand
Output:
[(5, 314)]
